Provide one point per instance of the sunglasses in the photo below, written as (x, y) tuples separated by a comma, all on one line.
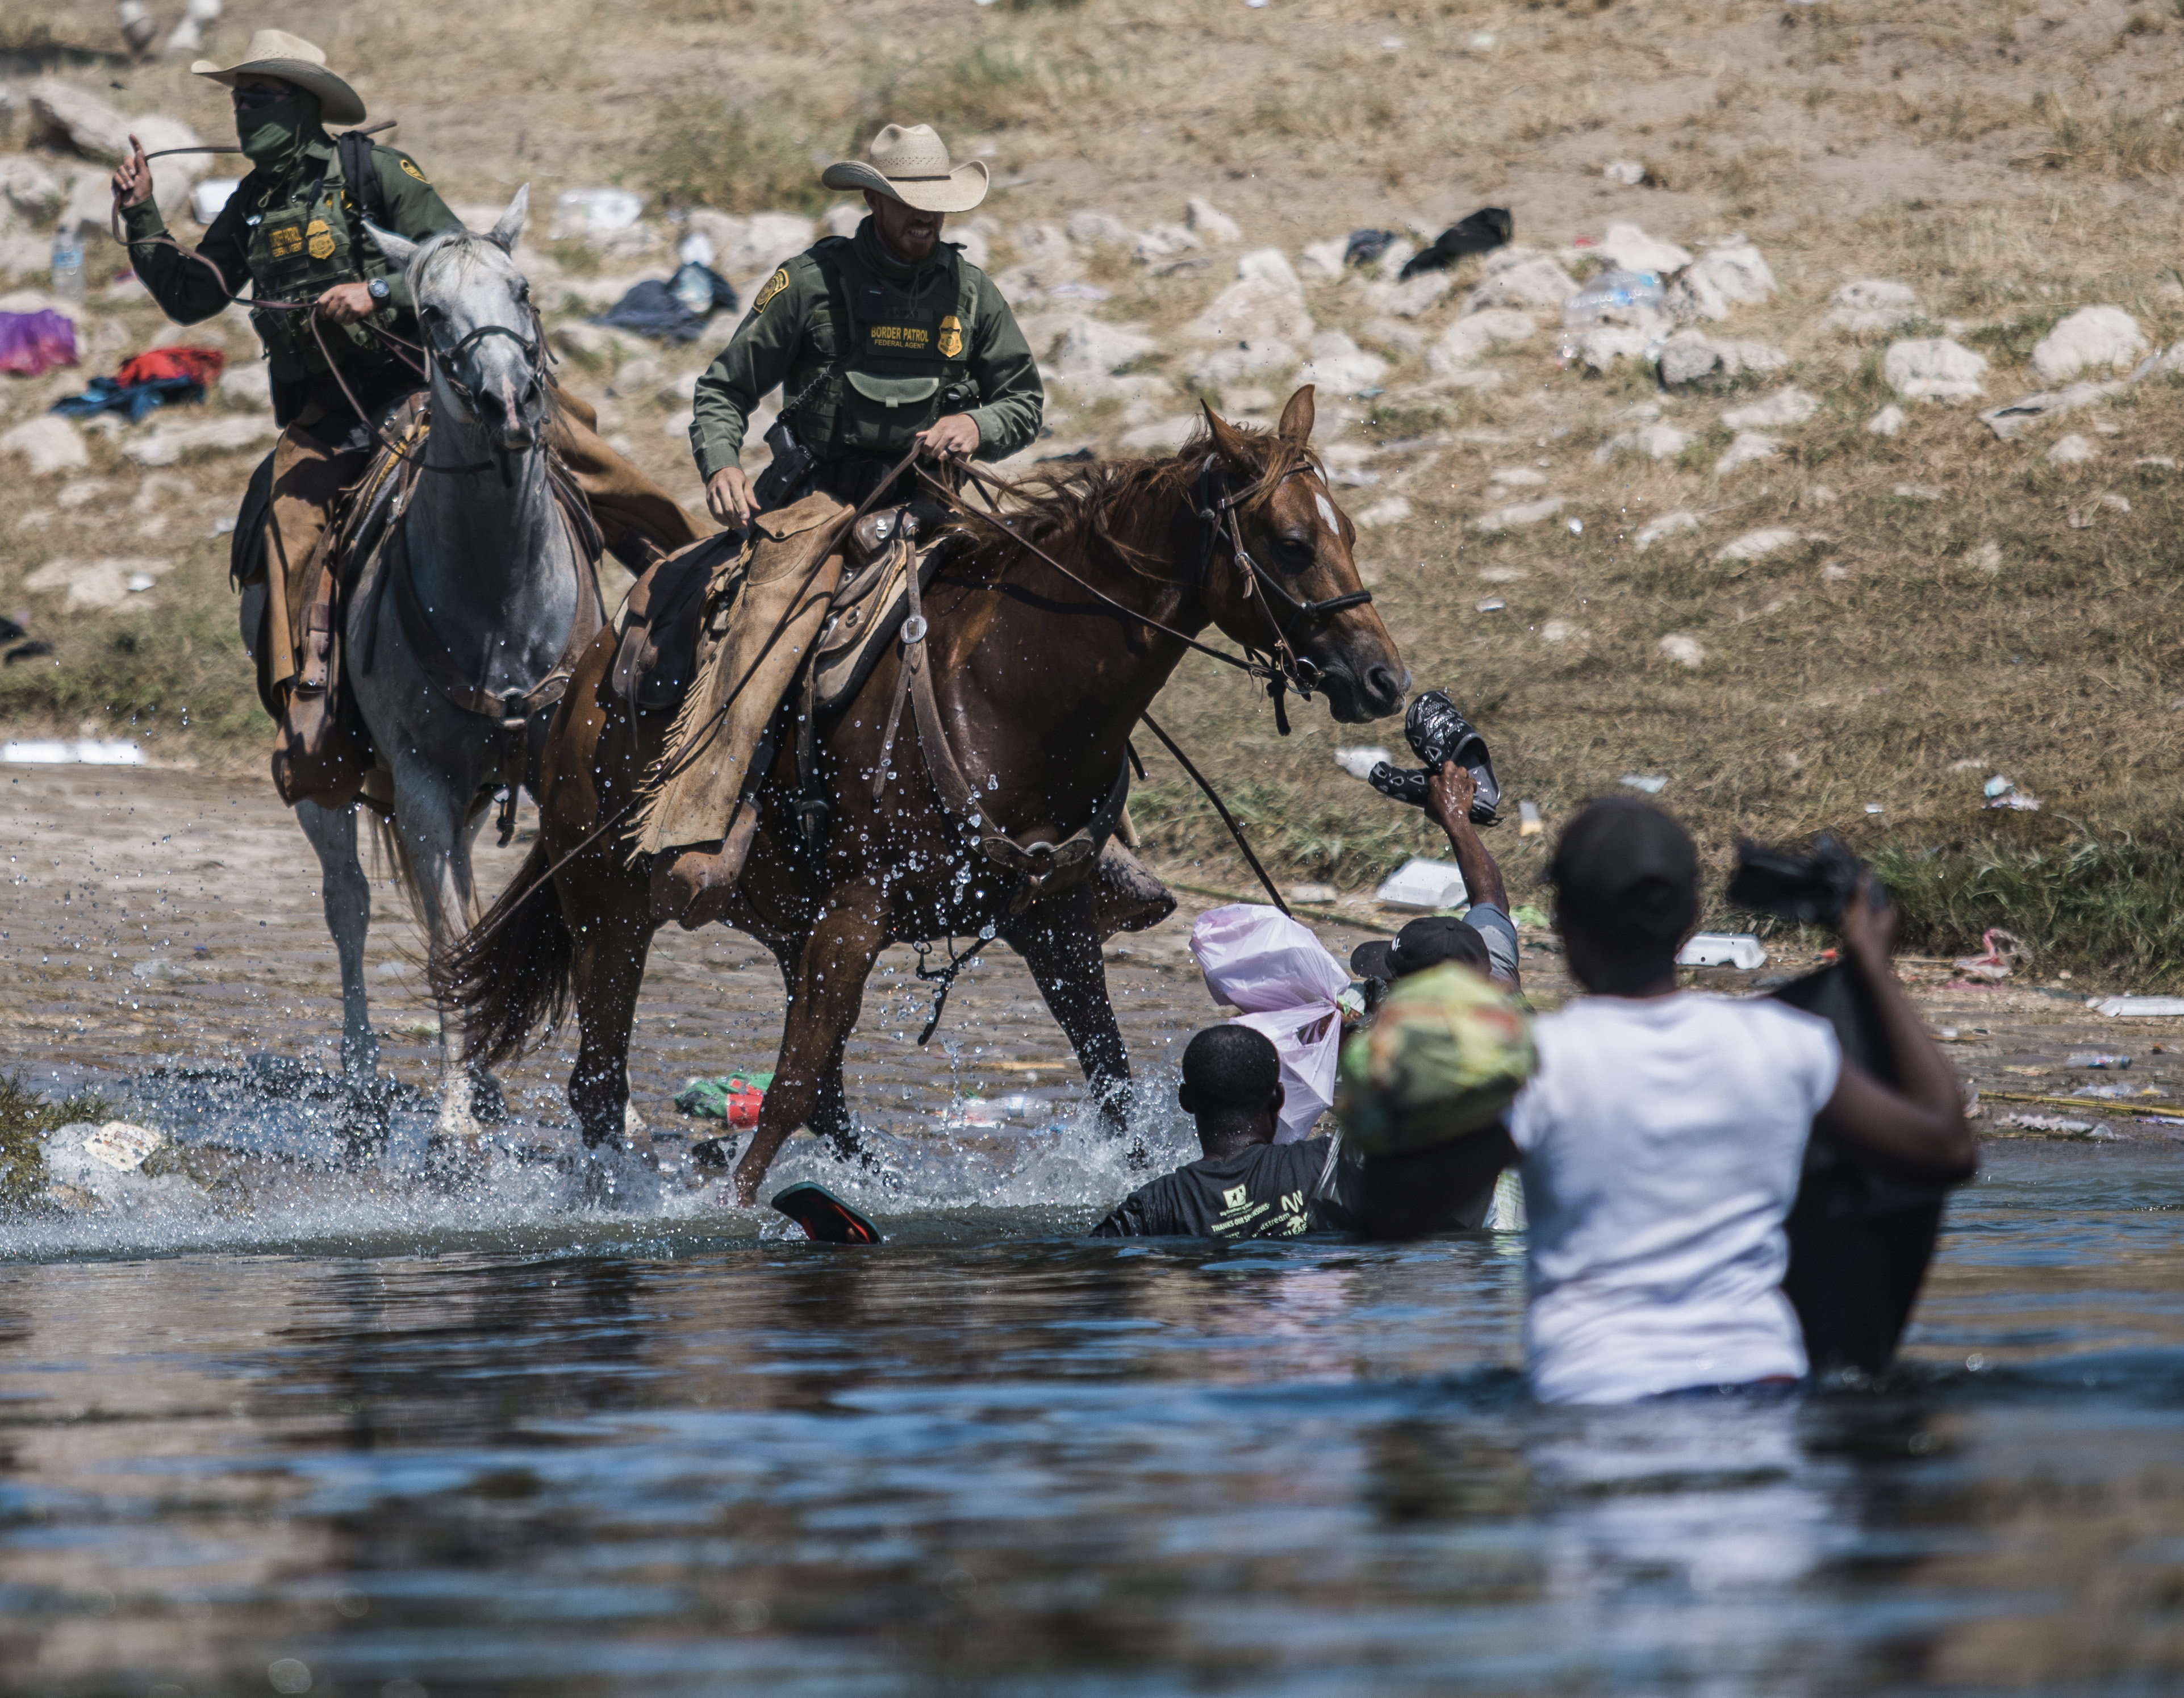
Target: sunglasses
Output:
[(251, 99)]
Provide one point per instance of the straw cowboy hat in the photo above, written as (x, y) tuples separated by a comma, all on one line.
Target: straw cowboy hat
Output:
[(276, 52), (911, 166)]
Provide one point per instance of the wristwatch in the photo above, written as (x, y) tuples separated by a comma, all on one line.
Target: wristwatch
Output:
[(378, 289)]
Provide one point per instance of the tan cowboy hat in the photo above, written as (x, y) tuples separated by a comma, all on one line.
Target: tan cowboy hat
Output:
[(276, 52), (911, 166)]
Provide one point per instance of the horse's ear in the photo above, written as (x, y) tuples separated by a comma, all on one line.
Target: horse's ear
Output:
[(503, 235), (398, 248), (1229, 445), (1297, 418)]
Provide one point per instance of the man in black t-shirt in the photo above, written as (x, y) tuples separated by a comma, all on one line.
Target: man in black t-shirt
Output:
[(1247, 1186)]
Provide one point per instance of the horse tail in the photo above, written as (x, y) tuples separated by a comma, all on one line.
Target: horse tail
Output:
[(509, 974)]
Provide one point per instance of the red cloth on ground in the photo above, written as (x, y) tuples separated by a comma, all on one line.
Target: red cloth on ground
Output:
[(198, 364)]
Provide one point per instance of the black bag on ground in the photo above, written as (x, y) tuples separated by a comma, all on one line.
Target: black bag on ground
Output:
[(1859, 1243)]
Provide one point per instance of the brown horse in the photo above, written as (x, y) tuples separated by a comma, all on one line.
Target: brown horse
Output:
[(1038, 683)]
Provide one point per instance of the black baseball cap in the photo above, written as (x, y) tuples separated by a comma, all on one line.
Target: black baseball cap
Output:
[(1425, 942), (1626, 869)]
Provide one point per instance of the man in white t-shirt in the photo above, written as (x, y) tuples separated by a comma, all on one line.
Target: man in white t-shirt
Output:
[(1663, 1138)]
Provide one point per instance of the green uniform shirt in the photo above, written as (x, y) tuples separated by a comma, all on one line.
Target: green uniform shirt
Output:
[(185, 289), (881, 346)]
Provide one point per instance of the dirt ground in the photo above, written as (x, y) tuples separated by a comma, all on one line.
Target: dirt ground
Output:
[(153, 917)]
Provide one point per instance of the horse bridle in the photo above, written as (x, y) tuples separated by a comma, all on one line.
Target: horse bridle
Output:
[(444, 360), (1217, 506)]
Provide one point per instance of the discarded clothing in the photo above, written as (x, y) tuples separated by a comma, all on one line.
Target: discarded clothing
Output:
[(32, 343), (1365, 246), (675, 310), (163, 376), (1489, 227)]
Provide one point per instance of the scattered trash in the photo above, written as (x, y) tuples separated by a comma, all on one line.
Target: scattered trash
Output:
[(1493, 604), (1738, 949), (1425, 885), (2003, 793), (210, 197), (2094, 1059), (595, 212), (162, 377), (121, 1146), (1615, 298), (734, 1098), (1359, 763), (2000, 952), (1628, 172), (1528, 820), (1484, 230), (1529, 914), (2108, 1093), (83, 753), (675, 310), (1996, 785), (1652, 783), (1367, 246), (2047, 1122), (2141, 1007), (1875, 808), (1577, 528), (1320, 893), (33, 343)]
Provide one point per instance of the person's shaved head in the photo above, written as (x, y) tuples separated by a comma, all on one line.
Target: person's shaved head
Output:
[(1232, 1087)]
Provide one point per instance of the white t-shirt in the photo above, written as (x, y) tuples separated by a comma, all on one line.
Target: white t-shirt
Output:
[(1663, 1141)]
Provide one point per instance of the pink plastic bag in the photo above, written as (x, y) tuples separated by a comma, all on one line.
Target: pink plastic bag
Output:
[(1273, 968), (35, 342)]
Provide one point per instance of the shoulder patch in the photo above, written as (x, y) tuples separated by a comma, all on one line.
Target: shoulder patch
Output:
[(774, 285), (410, 165)]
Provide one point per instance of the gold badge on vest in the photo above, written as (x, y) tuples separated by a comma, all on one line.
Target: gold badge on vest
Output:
[(951, 338), (320, 241)]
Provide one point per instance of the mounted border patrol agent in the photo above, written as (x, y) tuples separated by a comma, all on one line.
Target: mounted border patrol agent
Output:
[(294, 231), (876, 340)]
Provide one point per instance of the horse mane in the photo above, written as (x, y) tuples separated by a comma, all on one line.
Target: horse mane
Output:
[(1078, 504)]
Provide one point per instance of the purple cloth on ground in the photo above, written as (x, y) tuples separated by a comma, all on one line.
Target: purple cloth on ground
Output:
[(33, 343)]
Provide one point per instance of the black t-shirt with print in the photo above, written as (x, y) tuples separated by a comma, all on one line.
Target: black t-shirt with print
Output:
[(1264, 1193)]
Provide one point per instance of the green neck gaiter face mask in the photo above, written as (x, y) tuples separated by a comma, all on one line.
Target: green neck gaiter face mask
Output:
[(273, 136)]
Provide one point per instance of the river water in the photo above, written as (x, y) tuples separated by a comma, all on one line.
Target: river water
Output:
[(371, 1449)]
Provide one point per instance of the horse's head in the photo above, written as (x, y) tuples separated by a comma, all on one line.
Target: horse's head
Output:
[(474, 309), (1289, 526)]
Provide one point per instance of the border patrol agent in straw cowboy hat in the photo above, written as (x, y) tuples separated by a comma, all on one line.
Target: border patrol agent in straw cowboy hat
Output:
[(293, 231), (876, 340)]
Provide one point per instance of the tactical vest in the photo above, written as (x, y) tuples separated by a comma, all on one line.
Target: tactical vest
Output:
[(302, 243), (893, 361)]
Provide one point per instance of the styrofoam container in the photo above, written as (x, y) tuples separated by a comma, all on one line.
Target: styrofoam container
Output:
[(1359, 763), (1425, 885), (1738, 949)]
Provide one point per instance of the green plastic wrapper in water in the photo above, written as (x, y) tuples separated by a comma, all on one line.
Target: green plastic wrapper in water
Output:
[(1445, 1056), (708, 1099)]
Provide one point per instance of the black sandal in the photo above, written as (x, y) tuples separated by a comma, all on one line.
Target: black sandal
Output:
[(824, 1216), (1439, 733)]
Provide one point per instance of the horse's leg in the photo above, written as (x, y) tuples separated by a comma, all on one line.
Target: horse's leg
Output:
[(613, 932), (1059, 939), (347, 893), (434, 821), (828, 992), (830, 1107)]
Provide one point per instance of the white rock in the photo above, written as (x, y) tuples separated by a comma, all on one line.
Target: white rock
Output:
[(1667, 525), (1390, 510), (1682, 647), (1165, 242), (1518, 477), (1655, 442), (1519, 514), (47, 444), (1469, 338), (78, 119), (841, 219), (1411, 299), (1734, 275), (589, 213), (1886, 422), (1254, 309), (1873, 304), (1322, 261), (1246, 362), (1629, 248), (2013, 419), (1628, 172), (1560, 631), (1163, 436), (1784, 408), (1539, 284), (1339, 367), (769, 240), (1749, 449), (1688, 357), (1268, 265), (1599, 346), (30, 189), (1988, 557), (169, 443), (252, 384), (92, 583), (2072, 450), (2099, 340), (1086, 345), (1757, 545), (1099, 230), (975, 239), (1933, 368), (1209, 223)]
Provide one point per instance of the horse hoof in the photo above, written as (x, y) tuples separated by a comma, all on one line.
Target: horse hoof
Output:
[(453, 1162), (488, 1104)]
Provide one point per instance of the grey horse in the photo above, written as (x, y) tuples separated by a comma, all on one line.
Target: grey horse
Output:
[(500, 577)]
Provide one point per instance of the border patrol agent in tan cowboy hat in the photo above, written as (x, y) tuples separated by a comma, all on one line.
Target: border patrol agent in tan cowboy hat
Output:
[(294, 231), (875, 341)]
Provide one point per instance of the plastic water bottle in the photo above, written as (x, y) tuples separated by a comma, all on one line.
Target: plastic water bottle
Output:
[(1615, 298), (68, 263)]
